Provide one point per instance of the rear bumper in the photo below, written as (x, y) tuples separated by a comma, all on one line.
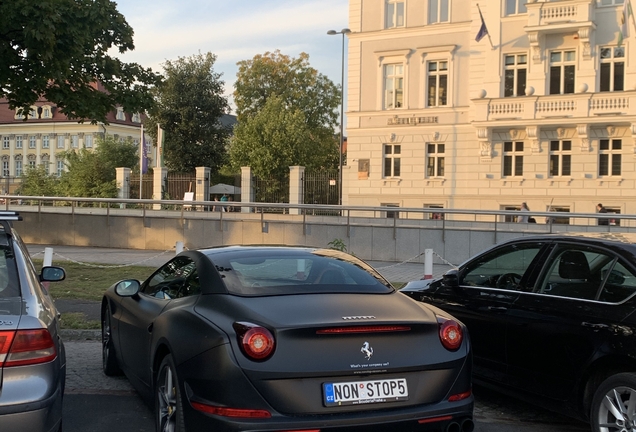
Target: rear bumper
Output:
[(40, 416), (422, 418)]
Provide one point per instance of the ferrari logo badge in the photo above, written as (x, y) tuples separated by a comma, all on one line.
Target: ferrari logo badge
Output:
[(367, 350)]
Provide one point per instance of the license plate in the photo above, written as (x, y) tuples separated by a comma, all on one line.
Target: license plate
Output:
[(365, 392)]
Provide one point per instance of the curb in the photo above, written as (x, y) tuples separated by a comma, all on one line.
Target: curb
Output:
[(81, 335)]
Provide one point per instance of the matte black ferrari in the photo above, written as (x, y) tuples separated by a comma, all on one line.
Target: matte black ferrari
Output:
[(281, 339), (551, 320)]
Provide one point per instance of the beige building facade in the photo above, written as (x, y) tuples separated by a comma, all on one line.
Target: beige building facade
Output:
[(541, 110)]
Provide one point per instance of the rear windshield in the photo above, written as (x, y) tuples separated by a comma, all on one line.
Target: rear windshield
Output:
[(9, 286), (267, 273)]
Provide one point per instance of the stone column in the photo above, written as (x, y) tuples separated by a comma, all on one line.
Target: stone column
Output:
[(247, 192), (202, 189), (296, 190), (159, 182)]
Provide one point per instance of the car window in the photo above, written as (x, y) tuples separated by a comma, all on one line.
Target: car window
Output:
[(9, 286), (272, 274), (504, 268), (619, 283), (178, 278), (576, 273)]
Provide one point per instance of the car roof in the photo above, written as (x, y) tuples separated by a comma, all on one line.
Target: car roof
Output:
[(596, 237)]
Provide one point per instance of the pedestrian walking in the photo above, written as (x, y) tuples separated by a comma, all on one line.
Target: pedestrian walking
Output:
[(601, 209), (523, 218)]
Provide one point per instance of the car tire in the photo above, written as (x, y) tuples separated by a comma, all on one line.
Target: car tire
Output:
[(168, 402), (110, 365), (611, 403)]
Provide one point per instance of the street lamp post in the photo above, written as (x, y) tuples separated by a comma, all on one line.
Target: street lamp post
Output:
[(343, 32)]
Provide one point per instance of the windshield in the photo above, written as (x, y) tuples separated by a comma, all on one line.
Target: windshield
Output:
[(273, 273)]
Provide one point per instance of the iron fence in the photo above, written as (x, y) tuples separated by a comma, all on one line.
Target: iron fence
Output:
[(146, 189), (321, 187), (271, 190)]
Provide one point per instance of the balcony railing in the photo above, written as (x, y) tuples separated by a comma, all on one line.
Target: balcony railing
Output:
[(558, 15), (582, 105)]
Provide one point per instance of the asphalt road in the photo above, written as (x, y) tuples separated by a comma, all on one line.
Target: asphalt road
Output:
[(96, 403)]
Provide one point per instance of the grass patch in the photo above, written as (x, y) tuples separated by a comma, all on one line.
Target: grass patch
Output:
[(78, 321), (89, 283)]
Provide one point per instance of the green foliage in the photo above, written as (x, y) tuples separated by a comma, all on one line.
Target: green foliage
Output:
[(36, 182), (285, 104), (276, 138), (337, 244), (190, 103), (92, 173), (58, 50)]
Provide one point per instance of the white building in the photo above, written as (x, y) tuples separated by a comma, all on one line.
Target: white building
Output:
[(545, 115)]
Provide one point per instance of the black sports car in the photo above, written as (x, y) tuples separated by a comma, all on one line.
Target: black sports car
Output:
[(281, 338), (551, 320)]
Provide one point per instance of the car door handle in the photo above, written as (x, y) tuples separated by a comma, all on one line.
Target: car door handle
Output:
[(594, 325), (152, 324), (497, 308)]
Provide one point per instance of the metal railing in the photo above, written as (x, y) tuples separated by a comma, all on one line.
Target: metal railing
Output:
[(493, 220)]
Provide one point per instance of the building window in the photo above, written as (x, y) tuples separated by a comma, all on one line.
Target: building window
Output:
[(136, 118), (5, 142), (392, 160), (18, 168), (562, 66), (557, 218), (18, 142), (88, 141), (612, 69), (434, 215), (19, 116), (46, 112), (74, 141), (60, 168), (120, 114), (391, 214), (560, 158), (437, 83), (45, 141), (46, 167), (515, 70), (609, 159), (435, 160), (5, 169), (393, 86), (31, 164), (437, 11), (514, 7), (513, 158), (510, 218), (31, 142), (394, 14), (612, 2), (60, 141)]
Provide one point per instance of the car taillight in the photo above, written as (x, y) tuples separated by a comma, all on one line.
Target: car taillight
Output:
[(256, 342), (450, 333), (26, 347)]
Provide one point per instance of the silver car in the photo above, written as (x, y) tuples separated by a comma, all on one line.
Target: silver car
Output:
[(32, 359)]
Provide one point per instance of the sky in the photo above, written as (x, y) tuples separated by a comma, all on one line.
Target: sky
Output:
[(235, 31)]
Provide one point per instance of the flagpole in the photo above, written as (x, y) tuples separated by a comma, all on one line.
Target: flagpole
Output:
[(631, 12), (487, 32), (141, 161)]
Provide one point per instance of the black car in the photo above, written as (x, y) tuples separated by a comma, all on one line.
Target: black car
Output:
[(280, 338), (551, 320)]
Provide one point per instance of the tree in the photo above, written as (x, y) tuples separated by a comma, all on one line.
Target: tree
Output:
[(276, 138), (190, 103), (303, 95), (92, 173), (57, 50), (36, 182)]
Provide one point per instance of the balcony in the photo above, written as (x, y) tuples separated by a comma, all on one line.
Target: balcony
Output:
[(572, 106), (559, 16)]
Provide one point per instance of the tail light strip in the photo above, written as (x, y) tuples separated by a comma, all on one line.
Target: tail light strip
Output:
[(364, 329)]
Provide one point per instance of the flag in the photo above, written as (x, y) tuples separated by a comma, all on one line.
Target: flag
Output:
[(623, 22), (159, 146), (483, 30), (143, 153)]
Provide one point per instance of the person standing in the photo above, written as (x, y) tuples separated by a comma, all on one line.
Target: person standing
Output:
[(523, 218), (601, 209), (224, 199)]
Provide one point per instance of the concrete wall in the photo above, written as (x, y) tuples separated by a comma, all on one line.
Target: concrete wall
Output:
[(370, 239)]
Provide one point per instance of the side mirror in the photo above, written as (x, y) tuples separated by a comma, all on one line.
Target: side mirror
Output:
[(127, 287), (451, 278), (52, 274)]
